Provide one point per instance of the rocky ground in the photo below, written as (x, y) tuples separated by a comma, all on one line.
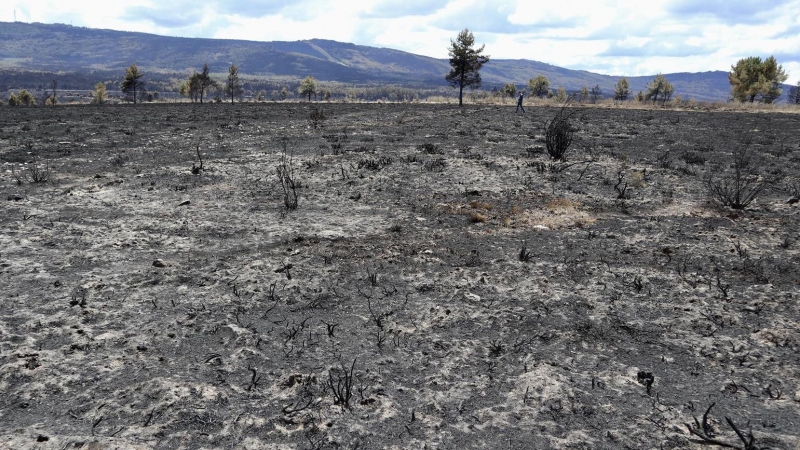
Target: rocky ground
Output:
[(441, 283)]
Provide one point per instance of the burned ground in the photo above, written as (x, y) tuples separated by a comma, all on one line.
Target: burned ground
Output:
[(441, 282)]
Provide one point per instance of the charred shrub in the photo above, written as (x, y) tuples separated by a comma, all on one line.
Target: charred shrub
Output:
[(558, 134), (36, 173), (429, 149), (340, 384), (690, 157), (119, 160), (316, 118), (374, 163), (739, 184), (435, 165), (337, 140), (287, 179)]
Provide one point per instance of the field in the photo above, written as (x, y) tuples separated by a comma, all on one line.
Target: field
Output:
[(396, 276)]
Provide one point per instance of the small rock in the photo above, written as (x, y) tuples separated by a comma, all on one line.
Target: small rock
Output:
[(793, 200), (141, 348), (185, 202), (42, 438), (472, 297), (14, 197), (159, 263)]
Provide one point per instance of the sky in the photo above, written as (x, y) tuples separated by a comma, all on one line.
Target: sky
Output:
[(611, 37)]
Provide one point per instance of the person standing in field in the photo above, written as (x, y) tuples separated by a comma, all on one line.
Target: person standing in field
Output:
[(519, 103)]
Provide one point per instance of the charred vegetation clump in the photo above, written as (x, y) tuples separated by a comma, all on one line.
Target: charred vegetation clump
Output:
[(287, 178), (559, 133), (738, 183)]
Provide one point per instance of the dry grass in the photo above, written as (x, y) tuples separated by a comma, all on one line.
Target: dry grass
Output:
[(477, 217), (510, 217), (486, 206), (561, 204), (558, 213), (637, 179), (567, 219)]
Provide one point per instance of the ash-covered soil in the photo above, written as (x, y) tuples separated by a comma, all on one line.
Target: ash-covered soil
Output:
[(441, 284)]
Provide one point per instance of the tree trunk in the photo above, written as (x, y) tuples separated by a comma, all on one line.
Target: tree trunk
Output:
[(461, 88)]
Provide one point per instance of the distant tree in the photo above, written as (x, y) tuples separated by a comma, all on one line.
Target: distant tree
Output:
[(308, 87), (100, 94), (145, 96), (27, 98), (193, 87), (52, 99), (596, 93), (539, 86), (621, 90), (132, 82), (465, 62), (584, 94), (233, 86), (794, 94), (510, 89), (204, 82), (751, 78), (327, 95), (22, 97), (660, 89), (561, 94), (261, 95), (283, 93)]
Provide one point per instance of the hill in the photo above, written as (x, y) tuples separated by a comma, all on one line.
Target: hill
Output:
[(33, 51)]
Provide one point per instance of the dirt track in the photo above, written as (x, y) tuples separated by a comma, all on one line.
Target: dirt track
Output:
[(481, 297)]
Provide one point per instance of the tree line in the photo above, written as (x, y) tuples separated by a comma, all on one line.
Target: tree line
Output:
[(752, 80)]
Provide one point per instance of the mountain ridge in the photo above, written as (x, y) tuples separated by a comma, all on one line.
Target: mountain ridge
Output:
[(65, 48)]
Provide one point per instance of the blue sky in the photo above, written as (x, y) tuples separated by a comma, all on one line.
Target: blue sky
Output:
[(623, 37)]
